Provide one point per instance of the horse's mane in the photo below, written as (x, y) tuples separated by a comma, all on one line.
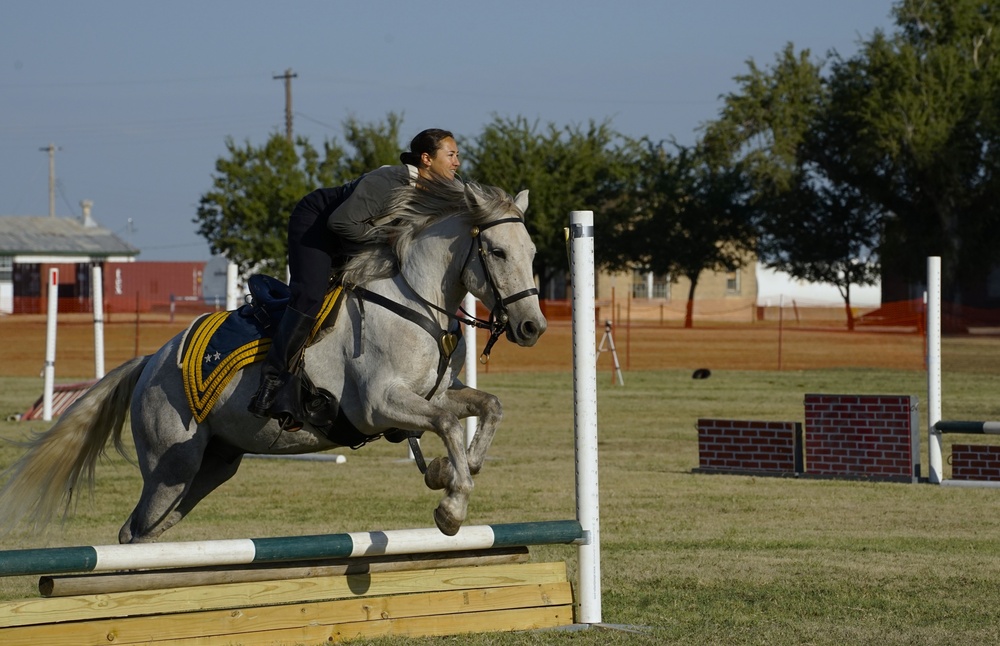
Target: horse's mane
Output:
[(413, 208)]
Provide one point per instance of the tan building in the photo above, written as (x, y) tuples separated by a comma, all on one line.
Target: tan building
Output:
[(643, 296)]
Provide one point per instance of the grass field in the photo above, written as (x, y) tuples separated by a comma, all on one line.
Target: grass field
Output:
[(698, 559)]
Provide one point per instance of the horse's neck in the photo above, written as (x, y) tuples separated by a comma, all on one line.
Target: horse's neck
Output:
[(432, 272)]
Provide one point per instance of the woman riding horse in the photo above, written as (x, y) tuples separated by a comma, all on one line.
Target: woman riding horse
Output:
[(325, 226)]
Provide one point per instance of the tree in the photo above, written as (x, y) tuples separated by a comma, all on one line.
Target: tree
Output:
[(919, 125), (245, 215), (682, 215), (565, 169), (766, 121), (374, 144), (823, 233), (811, 220)]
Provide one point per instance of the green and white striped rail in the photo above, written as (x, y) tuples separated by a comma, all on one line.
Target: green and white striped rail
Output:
[(109, 558)]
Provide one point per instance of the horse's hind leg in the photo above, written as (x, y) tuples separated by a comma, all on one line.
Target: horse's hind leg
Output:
[(163, 504)]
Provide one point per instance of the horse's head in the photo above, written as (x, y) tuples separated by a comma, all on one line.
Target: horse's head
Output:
[(432, 222), (498, 270)]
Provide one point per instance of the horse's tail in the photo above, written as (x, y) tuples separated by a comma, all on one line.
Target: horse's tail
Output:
[(44, 480)]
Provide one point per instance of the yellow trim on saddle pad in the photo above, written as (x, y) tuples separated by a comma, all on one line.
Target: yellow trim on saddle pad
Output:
[(203, 390)]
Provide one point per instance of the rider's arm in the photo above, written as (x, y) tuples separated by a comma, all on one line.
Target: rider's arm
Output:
[(352, 219)]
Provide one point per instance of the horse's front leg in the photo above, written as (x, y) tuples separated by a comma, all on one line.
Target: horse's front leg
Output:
[(464, 402), (413, 412)]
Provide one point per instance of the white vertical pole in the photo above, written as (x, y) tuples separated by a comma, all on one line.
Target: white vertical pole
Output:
[(471, 365), (97, 300), (232, 297), (581, 234), (934, 368), (50, 344)]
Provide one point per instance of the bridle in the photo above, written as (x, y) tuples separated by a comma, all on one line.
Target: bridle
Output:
[(499, 318), (498, 321)]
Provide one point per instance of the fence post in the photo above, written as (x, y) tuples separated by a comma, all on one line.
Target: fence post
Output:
[(50, 344)]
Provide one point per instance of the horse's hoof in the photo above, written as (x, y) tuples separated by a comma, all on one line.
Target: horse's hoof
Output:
[(436, 476), (447, 526)]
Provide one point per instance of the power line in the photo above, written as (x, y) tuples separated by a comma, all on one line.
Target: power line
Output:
[(316, 121)]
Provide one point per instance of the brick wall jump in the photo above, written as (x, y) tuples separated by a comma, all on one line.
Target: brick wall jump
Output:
[(867, 436), (975, 462), (741, 446)]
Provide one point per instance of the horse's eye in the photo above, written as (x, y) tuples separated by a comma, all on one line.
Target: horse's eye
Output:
[(499, 253)]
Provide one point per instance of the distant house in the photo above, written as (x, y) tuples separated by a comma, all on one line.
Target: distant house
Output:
[(644, 295), (31, 245)]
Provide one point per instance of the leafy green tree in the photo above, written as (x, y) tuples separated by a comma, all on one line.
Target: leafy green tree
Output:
[(812, 221), (919, 134), (245, 215), (374, 144), (823, 233), (682, 215), (766, 121), (565, 169)]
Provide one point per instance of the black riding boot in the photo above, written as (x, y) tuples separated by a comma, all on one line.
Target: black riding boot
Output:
[(289, 340)]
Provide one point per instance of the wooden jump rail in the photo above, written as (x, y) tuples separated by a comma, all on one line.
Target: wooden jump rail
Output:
[(65, 585)]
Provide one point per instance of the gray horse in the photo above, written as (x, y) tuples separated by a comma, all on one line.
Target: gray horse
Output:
[(387, 361)]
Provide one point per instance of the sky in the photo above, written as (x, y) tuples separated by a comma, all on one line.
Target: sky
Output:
[(139, 97)]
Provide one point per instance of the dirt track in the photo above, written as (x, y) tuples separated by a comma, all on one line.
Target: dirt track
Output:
[(759, 346)]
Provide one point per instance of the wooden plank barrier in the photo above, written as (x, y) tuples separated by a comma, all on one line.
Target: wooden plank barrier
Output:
[(274, 596), (434, 602)]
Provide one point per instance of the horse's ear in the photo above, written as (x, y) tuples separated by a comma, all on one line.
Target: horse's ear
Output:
[(521, 201), (473, 198)]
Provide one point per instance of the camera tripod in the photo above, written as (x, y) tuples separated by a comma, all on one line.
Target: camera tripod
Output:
[(610, 341)]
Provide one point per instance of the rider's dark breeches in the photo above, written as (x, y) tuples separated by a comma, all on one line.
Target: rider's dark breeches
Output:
[(310, 260)]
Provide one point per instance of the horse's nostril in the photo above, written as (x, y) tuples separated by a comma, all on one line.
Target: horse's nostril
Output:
[(529, 330)]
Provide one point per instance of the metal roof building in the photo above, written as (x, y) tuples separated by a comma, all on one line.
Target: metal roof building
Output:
[(41, 239), (30, 244)]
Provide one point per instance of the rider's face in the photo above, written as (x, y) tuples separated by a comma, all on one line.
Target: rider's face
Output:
[(444, 163)]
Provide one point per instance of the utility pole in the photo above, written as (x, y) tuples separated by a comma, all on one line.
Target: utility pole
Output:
[(51, 148), (288, 76)]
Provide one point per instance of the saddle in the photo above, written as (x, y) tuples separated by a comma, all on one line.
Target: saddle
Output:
[(216, 346)]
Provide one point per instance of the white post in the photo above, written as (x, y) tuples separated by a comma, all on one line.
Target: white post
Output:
[(50, 344), (232, 295), (933, 299), (471, 365), (581, 234), (97, 300)]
